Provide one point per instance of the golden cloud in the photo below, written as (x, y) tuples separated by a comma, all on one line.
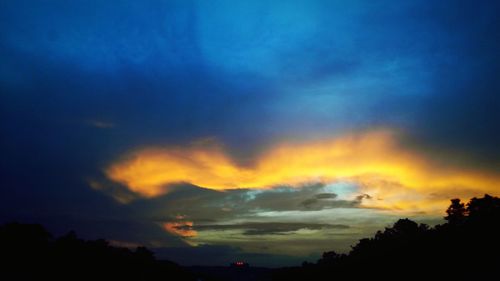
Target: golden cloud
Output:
[(375, 160)]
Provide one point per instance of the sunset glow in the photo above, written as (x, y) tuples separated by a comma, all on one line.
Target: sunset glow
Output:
[(260, 131), (181, 228), (373, 160)]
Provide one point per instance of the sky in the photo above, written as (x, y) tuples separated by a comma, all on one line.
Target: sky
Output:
[(268, 131)]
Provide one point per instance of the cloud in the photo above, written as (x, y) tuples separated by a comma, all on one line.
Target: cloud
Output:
[(181, 228), (305, 197), (269, 228), (124, 244), (243, 217), (101, 124), (325, 196), (373, 160), (117, 191), (291, 77)]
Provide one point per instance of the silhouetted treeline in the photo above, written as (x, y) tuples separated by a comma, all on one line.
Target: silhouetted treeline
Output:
[(29, 252), (467, 246)]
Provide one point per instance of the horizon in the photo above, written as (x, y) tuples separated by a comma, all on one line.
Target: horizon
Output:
[(212, 132)]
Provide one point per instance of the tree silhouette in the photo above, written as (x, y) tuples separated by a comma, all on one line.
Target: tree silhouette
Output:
[(484, 208), (466, 247), (456, 212), (29, 252)]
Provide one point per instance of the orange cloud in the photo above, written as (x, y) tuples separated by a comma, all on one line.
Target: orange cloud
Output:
[(372, 159), (182, 228)]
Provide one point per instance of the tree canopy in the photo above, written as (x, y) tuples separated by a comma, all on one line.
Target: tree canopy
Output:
[(467, 245)]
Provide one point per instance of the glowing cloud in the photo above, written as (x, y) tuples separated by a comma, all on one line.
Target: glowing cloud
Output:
[(181, 228), (374, 160)]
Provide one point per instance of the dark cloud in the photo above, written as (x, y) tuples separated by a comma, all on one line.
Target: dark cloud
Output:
[(327, 201), (326, 196), (280, 198), (264, 228), (304, 198), (318, 199), (201, 205), (363, 196), (103, 226)]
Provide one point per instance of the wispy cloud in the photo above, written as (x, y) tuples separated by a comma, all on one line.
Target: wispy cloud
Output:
[(269, 228), (100, 124)]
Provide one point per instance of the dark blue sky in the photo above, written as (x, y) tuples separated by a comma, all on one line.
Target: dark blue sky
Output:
[(86, 86)]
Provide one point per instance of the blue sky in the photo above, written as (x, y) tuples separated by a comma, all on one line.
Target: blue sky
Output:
[(89, 89)]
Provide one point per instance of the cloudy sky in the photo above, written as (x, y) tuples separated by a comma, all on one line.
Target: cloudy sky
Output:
[(269, 131)]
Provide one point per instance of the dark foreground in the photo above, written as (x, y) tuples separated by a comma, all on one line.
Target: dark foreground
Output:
[(466, 247), (225, 273)]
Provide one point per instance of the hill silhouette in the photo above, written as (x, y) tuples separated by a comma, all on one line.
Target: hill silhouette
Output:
[(466, 247)]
